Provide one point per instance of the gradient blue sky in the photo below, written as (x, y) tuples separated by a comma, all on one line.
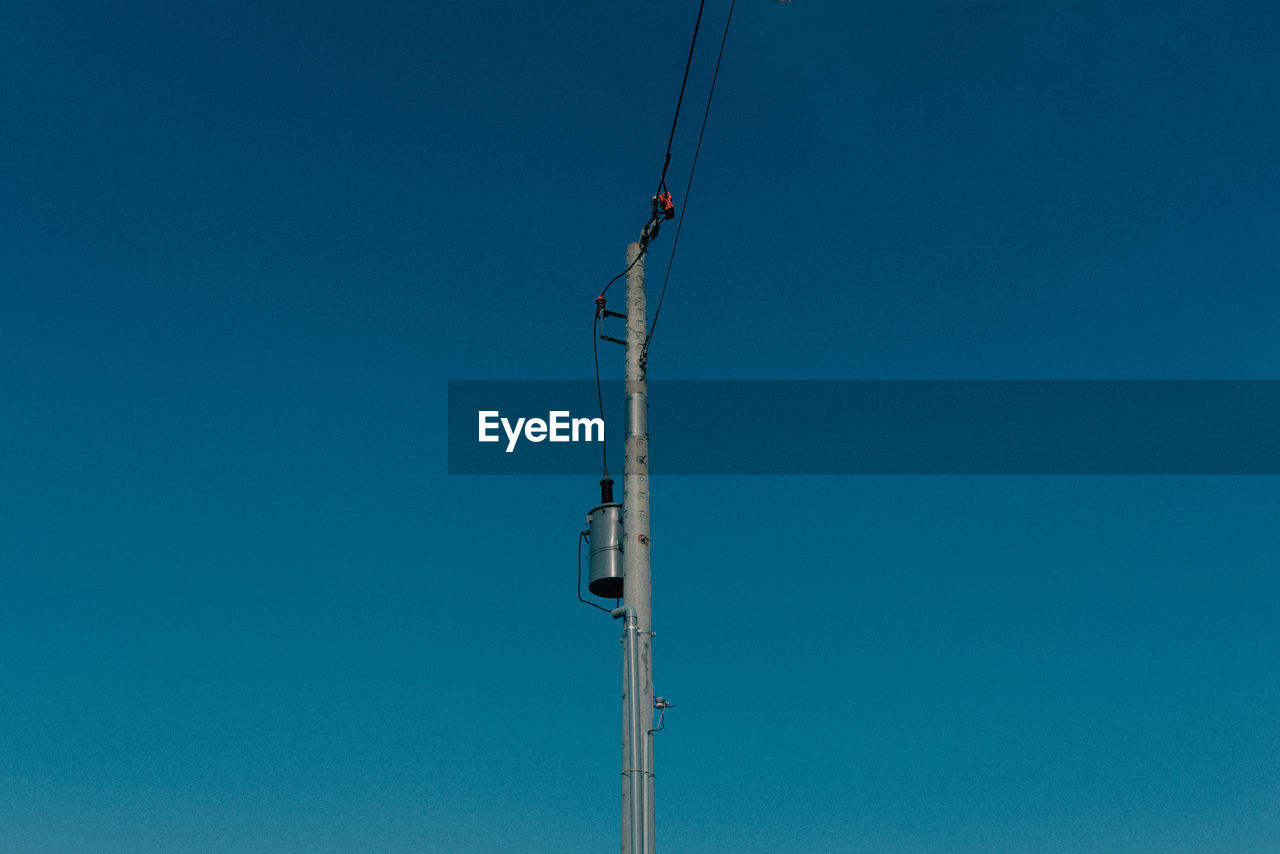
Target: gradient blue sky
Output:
[(245, 247)]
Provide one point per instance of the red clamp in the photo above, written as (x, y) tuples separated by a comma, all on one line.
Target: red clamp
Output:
[(662, 204)]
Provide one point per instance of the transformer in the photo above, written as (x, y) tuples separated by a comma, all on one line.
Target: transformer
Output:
[(604, 529)]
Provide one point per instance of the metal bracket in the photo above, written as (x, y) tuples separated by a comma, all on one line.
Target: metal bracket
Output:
[(661, 704)]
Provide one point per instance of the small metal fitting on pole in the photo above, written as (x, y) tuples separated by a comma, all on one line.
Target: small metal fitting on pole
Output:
[(661, 704)]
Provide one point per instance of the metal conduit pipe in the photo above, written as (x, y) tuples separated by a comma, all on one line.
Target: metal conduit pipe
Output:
[(635, 771)]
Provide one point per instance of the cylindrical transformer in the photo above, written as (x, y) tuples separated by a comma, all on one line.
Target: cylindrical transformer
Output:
[(604, 527)]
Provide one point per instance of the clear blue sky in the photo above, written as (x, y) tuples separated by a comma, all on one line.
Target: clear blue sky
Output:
[(246, 245)]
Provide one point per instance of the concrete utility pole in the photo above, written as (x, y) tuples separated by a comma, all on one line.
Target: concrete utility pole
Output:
[(637, 637)]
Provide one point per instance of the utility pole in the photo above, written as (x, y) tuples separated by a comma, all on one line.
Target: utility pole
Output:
[(637, 637)]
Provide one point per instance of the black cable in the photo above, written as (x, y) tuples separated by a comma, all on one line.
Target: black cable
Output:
[(662, 718), (643, 249), (666, 160), (595, 354), (684, 205), (662, 181)]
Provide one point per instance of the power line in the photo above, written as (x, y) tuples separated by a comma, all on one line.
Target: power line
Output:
[(666, 160), (684, 206), (652, 228), (675, 119)]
